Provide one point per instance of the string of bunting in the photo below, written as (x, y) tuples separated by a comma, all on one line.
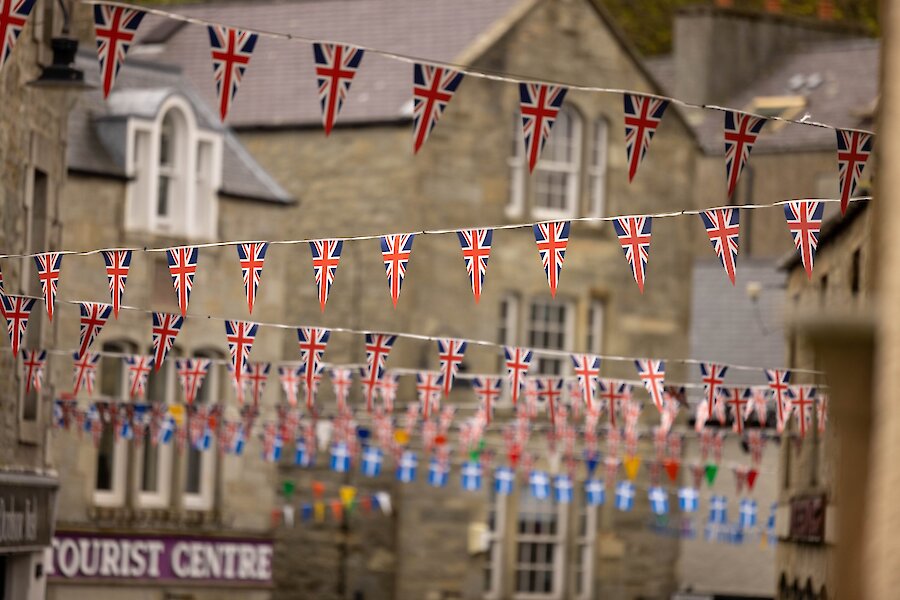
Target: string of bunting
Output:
[(347, 502)]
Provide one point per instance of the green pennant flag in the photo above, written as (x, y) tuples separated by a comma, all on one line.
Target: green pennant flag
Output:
[(711, 471)]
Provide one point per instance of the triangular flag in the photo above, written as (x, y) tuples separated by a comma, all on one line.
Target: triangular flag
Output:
[(804, 219), (672, 467), (33, 362), (252, 257), (724, 232), (741, 130), (312, 342), (231, 51), (93, 317), (643, 115), (326, 254), (378, 347), (240, 336), (191, 373), (118, 262), (632, 464), (853, 149), (165, 329), (634, 237), (16, 311), (114, 28), (518, 361), (476, 249), (138, 369), (84, 372), (711, 470), (48, 267), (336, 65), (13, 17), (450, 354), (751, 478), (396, 250), (182, 268), (539, 104), (433, 88), (552, 240), (653, 373)]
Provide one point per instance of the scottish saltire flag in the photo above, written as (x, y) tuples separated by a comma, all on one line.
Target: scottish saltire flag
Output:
[(378, 347), (779, 383), (406, 467), (476, 249), (114, 28), (182, 268), (117, 262), (252, 257), (634, 237), (372, 459), (166, 431), (504, 480), (138, 369), (624, 496), (471, 476), (326, 254), (302, 455), (433, 88), (741, 130), (853, 149), (552, 239), (487, 390), (613, 394), (438, 473), (289, 376), (718, 510), (231, 51), (450, 353), (643, 115), (48, 267), (340, 457), (240, 336), (539, 104), (804, 219), (659, 500), (13, 17), (539, 482), (165, 329), (16, 311), (518, 360), (723, 229), (587, 369), (653, 373), (33, 363), (562, 489), (93, 317), (747, 513), (312, 342), (712, 376), (688, 500), (336, 65), (238, 442), (84, 372), (205, 442), (594, 492), (191, 373), (395, 251)]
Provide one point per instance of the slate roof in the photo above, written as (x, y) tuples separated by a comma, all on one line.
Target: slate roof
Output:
[(96, 142)]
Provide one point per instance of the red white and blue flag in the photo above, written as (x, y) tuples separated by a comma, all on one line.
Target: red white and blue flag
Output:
[(165, 329), (118, 262), (643, 115), (114, 28), (182, 268), (290, 376), (388, 386), (93, 317), (552, 239), (84, 372), (712, 376), (252, 257), (33, 363), (737, 401), (429, 385), (13, 17), (539, 104), (326, 254), (312, 342), (741, 131), (231, 51), (257, 375), (476, 249), (488, 390), (614, 395), (16, 311), (587, 369), (138, 369), (804, 219), (804, 402), (779, 383), (341, 380), (336, 65), (724, 231), (396, 250), (653, 373), (853, 150), (518, 361), (192, 372), (433, 88), (48, 267), (378, 347), (634, 237), (240, 336), (451, 353)]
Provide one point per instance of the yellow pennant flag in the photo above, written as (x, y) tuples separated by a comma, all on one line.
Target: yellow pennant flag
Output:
[(348, 493), (632, 465), (319, 511), (177, 413)]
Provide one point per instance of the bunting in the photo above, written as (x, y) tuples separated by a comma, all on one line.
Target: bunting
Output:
[(476, 249), (341, 381), (326, 254), (518, 361), (587, 369), (737, 402), (429, 385), (634, 237), (614, 395), (723, 229), (48, 268), (290, 376), (487, 390), (13, 17), (712, 376), (191, 373), (16, 311), (252, 257), (803, 401), (182, 268), (312, 343), (652, 373), (84, 372), (853, 149), (114, 28), (93, 317), (804, 219), (336, 65), (552, 240), (779, 385), (118, 262), (741, 130), (433, 88), (138, 368), (539, 105), (257, 375), (387, 389), (378, 347), (231, 51), (396, 250), (450, 353), (165, 329), (240, 336), (643, 115), (33, 363)]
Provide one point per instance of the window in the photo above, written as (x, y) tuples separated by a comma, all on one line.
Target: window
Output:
[(855, 271), (550, 327), (541, 527), (154, 461), (585, 542), (595, 327), (509, 325), (597, 168), (493, 567), (516, 204), (200, 475), (112, 454)]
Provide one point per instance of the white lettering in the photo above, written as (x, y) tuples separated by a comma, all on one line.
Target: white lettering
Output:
[(85, 547), (178, 555), (138, 560), (109, 563), (214, 560), (264, 567), (156, 548), (230, 555), (247, 568)]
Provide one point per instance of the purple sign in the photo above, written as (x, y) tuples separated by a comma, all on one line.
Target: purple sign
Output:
[(78, 555)]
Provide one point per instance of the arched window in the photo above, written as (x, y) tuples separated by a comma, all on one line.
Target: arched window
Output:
[(597, 168), (171, 165), (557, 172), (154, 460)]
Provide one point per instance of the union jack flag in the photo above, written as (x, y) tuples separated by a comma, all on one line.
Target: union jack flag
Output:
[(378, 347), (476, 249), (853, 149), (643, 115), (326, 254), (550, 391), (539, 104), (723, 228), (735, 398), (336, 65), (652, 373), (165, 329), (488, 390), (822, 412), (312, 342), (613, 394), (117, 264), (138, 369), (741, 131), (257, 376), (634, 237), (804, 400), (341, 380), (713, 376), (587, 369), (289, 375), (804, 219), (450, 353), (518, 360), (182, 268), (552, 239), (433, 88), (396, 250), (429, 385), (387, 389), (85, 372), (48, 267), (13, 16), (93, 317), (33, 362), (191, 373), (16, 311), (240, 336), (231, 50), (252, 256), (757, 402), (779, 383), (114, 28)]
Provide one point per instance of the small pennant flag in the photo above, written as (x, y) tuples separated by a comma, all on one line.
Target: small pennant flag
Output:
[(13, 17), (853, 149), (165, 329), (688, 500), (191, 373), (433, 88), (634, 237), (741, 131), (712, 376), (539, 105), (476, 249), (336, 65), (552, 240), (326, 254), (518, 360), (779, 383), (48, 267), (114, 28), (587, 369), (231, 51), (429, 385), (643, 115), (624, 496), (747, 513), (396, 250), (290, 376), (138, 369), (118, 262), (182, 268), (240, 336), (723, 228), (804, 400), (659, 500), (257, 375), (632, 465), (33, 363), (450, 353), (378, 347), (653, 373), (252, 256), (804, 219), (16, 311), (312, 343), (488, 390), (85, 372), (93, 317), (341, 380)]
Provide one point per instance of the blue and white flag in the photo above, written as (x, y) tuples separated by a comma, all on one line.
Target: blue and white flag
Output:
[(372, 459), (594, 492), (562, 486), (659, 500), (166, 430), (471, 476), (204, 443), (504, 480), (747, 513), (301, 455), (406, 469), (126, 432), (237, 443), (340, 458), (718, 510), (438, 473), (625, 496), (689, 500), (540, 485), (272, 453)]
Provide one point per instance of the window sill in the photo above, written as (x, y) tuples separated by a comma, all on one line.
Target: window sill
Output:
[(152, 517)]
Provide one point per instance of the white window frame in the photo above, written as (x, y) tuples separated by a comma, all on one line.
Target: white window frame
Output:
[(204, 499), (160, 498), (115, 497), (588, 541), (515, 206), (597, 169), (568, 332), (572, 170), (508, 335), (495, 538), (558, 540), (595, 322)]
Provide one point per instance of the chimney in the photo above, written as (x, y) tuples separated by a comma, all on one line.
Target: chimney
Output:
[(825, 10)]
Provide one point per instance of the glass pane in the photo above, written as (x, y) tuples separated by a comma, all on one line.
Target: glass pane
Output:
[(105, 460), (167, 141), (194, 471), (164, 190), (150, 470)]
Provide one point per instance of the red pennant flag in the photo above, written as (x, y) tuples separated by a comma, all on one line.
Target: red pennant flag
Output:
[(751, 478), (672, 467)]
